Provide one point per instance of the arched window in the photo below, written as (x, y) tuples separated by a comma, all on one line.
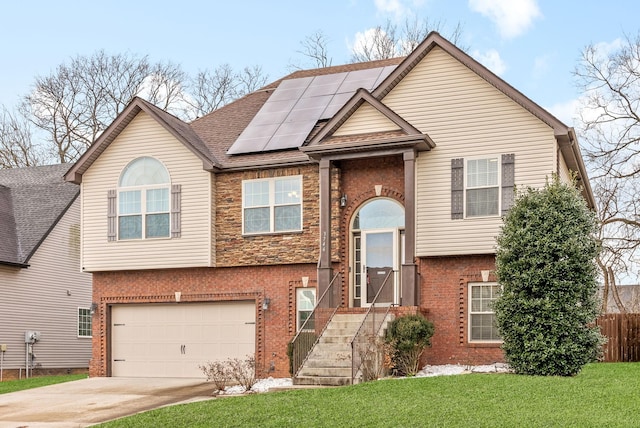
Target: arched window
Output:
[(379, 214), (143, 200)]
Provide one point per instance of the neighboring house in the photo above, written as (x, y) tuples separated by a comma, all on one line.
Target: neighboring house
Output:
[(629, 296), (41, 286), (214, 239)]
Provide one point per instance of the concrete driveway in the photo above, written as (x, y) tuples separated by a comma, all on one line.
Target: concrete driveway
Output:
[(90, 401)]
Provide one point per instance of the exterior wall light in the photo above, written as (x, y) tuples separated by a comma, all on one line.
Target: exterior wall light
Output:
[(93, 308), (343, 200), (265, 303)]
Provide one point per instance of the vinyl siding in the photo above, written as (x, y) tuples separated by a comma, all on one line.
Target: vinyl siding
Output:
[(466, 117), (366, 119), (36, 298), (563, 171), (145, 137)]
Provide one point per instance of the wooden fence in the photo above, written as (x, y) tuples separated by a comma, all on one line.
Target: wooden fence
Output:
[(623, 337)]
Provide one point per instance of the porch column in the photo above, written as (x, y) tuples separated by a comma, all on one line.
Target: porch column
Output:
[(410, 293), (325, 272)]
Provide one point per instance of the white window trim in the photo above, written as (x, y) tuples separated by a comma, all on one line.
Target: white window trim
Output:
[(78, 322), (498, 157), (272, 205), (315, 301), (470, 313), (143, 210)]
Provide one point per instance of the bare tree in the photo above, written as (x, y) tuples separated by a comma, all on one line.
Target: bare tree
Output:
[(393, 40), (250, 80), (16, 143), (610, 129), (74, 104), (315, 48), (212, 89)]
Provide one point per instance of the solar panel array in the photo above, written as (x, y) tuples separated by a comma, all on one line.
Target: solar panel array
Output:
[(293, 109)]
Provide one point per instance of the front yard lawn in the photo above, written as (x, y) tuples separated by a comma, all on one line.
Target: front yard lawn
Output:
[(36, 382), (603, 394)]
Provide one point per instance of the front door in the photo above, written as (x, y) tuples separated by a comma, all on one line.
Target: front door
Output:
[(379, 266), (377, 233)]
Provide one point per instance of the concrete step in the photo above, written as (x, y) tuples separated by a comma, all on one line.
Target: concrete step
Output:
[(326, 371), (328, 360), (336, 339), (322, 380)]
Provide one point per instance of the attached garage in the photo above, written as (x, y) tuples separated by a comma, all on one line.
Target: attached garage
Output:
[(173, 340)]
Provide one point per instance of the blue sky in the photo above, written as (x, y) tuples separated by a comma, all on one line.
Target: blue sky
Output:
[(533, 44)]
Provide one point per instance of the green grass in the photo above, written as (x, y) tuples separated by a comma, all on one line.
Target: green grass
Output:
[(602, 395), (36, 382)]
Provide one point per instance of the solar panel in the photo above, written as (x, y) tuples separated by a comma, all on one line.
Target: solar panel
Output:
[(291, 112)]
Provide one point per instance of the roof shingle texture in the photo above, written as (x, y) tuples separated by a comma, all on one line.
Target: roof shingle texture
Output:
[(220, 129), (32, 200)]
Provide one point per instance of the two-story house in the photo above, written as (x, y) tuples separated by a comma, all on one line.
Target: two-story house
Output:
[(215, 239), (45, 301)]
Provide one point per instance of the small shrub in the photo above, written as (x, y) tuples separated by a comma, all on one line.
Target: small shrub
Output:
[(243, 371), (375, 358), (408, 336), (218, 373), (223, 373)]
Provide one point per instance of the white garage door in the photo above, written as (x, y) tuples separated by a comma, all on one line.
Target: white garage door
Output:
[(172, 340)]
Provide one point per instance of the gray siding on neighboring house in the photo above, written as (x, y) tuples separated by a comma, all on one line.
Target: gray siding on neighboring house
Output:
[(36, 298)]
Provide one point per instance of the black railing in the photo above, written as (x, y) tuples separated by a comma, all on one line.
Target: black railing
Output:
[(314, 326), (367, 347)]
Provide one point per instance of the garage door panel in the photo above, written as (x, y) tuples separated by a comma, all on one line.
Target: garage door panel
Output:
[(173, 340)]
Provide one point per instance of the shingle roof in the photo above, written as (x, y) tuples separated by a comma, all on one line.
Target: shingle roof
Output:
[(211, 136), (32, 200)]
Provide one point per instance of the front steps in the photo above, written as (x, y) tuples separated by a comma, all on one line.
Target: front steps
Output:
[(329, 362)]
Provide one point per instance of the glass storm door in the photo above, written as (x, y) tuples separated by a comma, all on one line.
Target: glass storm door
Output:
[(379, 252)]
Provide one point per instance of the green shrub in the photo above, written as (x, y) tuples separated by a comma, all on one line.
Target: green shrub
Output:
[(545, 264), (408, 336)]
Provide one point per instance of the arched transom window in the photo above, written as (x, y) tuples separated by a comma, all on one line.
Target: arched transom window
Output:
[(143, 200)]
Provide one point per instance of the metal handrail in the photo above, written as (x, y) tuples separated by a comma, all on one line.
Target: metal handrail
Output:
[(363, 344), (313, 327)]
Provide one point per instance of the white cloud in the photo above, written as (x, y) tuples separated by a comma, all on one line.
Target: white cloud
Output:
[(392, 7), (491, 59), (604, 49), (512, 17), (567, 112), (398, 8)]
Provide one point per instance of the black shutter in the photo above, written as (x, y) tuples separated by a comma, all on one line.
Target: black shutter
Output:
[(112, 215), (508, 181), (457, 188), (176, 201)]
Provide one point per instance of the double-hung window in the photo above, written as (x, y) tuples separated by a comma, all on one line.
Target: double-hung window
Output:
[(143, 200), (272, 205), (482, 318), (482, 187), (482, 190), (84, 322)]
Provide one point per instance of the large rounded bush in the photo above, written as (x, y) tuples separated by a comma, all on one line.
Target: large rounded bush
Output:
[(545, 264)]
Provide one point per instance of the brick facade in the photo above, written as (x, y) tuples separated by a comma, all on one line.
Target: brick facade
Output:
[(275, 327), (444, 299)]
